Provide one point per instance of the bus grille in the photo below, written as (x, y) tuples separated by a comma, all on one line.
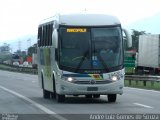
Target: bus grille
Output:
[(95, 82)]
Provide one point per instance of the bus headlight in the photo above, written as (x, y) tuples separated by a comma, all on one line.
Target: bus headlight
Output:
[(69, 79), (116, 76)]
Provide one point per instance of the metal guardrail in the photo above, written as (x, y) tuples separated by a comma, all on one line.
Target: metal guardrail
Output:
[(18, 69), (143, 78), (130, 78)]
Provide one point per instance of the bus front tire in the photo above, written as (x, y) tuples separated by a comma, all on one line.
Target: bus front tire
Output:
[(46, 94), (60, 98), (96, 96), (112, 97), (53, 95), (88, 96)]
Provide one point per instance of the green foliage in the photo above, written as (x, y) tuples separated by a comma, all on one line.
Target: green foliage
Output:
[(4, 57), (32, 49), (139, 84), (135, 38)]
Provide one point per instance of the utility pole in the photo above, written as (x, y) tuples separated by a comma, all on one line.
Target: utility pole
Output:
[(19, 45), (29, 43)]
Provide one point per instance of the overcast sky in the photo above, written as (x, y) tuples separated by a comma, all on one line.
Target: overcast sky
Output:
[(21, 17)]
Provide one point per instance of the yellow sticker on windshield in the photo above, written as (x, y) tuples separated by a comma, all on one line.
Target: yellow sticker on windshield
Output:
[(76, 30)]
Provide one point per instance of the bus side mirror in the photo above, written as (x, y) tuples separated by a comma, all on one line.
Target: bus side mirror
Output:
[(128, 38), (55, 38)]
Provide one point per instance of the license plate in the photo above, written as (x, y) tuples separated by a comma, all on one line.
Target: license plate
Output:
[(92, 89)]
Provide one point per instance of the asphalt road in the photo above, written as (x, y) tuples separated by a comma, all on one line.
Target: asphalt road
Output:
[(21, 94)]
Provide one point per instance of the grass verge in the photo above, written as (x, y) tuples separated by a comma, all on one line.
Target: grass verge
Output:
[(139, 84)]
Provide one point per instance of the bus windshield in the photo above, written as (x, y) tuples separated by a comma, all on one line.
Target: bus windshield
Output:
[(89, 49)]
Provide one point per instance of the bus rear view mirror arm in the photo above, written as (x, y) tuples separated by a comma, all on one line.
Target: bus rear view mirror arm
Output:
[(128, 38)]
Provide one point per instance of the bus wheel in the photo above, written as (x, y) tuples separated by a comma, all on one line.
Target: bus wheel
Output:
[(96, 96), (112, 97), (75, 95), (53, 95), (46, 94), (60, 98), (88, 96)]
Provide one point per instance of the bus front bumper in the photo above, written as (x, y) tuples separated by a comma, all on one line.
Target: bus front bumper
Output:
[(67, 88)]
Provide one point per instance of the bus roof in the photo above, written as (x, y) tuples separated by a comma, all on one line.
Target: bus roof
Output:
[(83, 20)]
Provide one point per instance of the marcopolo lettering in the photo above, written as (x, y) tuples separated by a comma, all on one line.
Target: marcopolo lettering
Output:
[(76, 30)]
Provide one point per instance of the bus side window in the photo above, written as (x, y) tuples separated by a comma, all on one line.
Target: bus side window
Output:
[(50, 34), (49, 30), (39, 36), (44, 36)]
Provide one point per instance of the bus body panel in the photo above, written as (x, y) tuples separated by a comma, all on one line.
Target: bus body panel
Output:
[(45, 68), (83, 20)]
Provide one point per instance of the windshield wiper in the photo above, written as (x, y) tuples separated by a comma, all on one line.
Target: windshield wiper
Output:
[(100, 58), (82, 60), (103, 62)]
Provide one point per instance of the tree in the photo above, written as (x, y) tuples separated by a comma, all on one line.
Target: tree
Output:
[(32, 49), (135, 38), (5, 48)]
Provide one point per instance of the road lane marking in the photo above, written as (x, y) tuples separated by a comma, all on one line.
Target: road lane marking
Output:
[(41, 107), (143, 89), (142, 105)]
